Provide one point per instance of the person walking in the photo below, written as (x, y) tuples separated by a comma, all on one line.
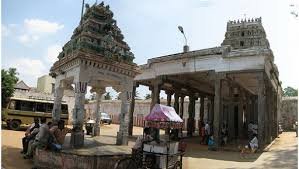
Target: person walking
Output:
[(207, 132)]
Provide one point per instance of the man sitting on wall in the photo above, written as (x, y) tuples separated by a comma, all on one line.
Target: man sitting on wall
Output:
[(41, 139), (58, 132), (30, 134)]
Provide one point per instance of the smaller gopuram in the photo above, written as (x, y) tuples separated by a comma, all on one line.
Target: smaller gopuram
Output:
[(96, 56), (246, 34)]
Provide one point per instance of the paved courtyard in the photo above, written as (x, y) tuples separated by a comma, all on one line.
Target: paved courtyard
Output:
[(282, 154)]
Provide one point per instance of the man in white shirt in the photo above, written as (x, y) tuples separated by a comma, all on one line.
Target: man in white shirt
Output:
[(41, 139), (30, 134)]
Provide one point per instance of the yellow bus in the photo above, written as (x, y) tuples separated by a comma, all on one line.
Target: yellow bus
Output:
[(23, 110)]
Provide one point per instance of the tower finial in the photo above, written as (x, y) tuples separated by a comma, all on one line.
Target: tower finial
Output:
[(82, 11)]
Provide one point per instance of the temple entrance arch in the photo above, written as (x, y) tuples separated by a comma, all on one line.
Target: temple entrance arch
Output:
[(95, 56)]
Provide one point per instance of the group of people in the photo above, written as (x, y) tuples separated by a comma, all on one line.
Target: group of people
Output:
[(206, 133), (43, 135)]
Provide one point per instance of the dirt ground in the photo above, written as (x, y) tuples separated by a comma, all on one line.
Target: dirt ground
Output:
[(282, 154)]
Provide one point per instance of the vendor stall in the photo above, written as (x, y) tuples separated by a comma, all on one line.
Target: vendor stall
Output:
[(166, 150), (159, 153)]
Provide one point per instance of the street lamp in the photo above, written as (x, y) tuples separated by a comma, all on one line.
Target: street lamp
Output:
[(186, 47)]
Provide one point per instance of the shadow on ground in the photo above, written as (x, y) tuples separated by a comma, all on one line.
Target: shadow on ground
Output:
[(286, 158), (11, 158), (231, 153)]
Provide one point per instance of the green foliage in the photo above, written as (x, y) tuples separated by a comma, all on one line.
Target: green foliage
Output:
[(8, 80), (107, 96), (289, 91), (148, 96)]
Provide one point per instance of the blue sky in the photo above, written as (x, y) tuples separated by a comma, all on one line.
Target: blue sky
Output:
[(33, 31)]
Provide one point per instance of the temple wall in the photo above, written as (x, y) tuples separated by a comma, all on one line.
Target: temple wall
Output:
[(142, 108), (288, 113)]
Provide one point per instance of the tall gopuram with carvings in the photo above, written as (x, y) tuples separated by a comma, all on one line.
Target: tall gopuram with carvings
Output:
[(246, 34), (96, 56)]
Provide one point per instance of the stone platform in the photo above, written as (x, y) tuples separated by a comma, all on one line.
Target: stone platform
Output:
[(98, 152)]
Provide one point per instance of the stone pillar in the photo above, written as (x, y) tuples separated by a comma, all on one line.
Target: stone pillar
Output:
[(191, 111), (126, 98), (176, 103), (231, 115), (167, 131), (217, 108), (209, 109), (77, 135), (271, 115), (251, 109), (132, 106), (247, 110), (255, 108), (267, 112), (182, 107), (99, 94), (57, 104), (261, 110), (201, 109), (275, 128), (240, 114), (155, 93), (212, 110), (168, 98)]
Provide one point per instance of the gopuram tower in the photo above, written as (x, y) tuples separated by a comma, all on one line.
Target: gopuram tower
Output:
[(246, 34), (96, 56)]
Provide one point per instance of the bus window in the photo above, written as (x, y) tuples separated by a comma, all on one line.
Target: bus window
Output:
[(49, 107), (12, 105), (27, 106), (64, 109), (41, 107)]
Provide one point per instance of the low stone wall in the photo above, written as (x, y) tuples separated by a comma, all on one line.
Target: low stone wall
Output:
[(142, 108), (60, 160), (288, 113)]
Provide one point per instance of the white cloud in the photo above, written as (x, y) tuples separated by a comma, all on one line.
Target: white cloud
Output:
[(31, 30), (29, 67), (27, 38), (52, 53), (41, 26), (4, 31)]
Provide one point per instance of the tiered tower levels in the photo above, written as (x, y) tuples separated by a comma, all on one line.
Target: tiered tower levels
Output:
[(242, 34), (99, 36)]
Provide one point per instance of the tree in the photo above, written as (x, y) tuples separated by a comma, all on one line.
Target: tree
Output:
[(107, 96), (8, 80), (148, 96), (289, 91)]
